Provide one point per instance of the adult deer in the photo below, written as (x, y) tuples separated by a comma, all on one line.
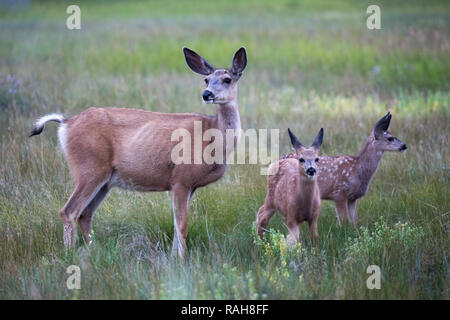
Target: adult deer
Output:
[(131, 149), (293, 190), (345, 179)]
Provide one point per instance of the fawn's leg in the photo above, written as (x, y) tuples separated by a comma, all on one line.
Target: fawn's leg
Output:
[(342, 210), (352, 211), (313, 227), (294, 232), (180, 202), (263, 218)]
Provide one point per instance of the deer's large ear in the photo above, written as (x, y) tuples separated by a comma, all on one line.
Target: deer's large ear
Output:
[(294, 141), (239, 62), (382, 125), (318, 140), (197, 63)]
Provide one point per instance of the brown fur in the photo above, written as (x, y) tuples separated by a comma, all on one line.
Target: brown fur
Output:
[(131, 149), (293, 193)]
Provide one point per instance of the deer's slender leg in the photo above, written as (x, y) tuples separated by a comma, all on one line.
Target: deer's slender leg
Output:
[(294, 232), (263, 218), (180, 202), (313, 227), (85, 220), (352, 211), (342, 210), (78, 201)]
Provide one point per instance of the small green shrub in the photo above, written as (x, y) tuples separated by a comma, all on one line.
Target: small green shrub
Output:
[(400, 238)]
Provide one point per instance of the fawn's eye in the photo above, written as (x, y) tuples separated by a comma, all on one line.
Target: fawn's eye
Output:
[(301, 160), (316, 160), (227, 80), (390, 139), (206, 81)]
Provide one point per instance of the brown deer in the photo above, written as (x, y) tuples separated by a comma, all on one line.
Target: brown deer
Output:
[(293, 190), (131, 149), (345, 179)]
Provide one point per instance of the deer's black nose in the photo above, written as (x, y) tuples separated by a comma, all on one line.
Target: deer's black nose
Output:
[(207, 95), (403, 147), (311, 171)]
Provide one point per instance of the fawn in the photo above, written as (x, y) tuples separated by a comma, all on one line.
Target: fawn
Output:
[(293, 190), (131, 149), (345, 179)]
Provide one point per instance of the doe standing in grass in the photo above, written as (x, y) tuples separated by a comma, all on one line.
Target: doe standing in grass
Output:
[(132, 149), (293, 190)]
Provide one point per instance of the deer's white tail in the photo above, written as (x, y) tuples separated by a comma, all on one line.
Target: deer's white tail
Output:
[(40, 123)]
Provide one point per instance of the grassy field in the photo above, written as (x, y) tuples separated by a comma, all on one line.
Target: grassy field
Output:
[(311, 64)]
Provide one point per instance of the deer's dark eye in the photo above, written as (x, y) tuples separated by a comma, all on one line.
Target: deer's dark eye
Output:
[(390, 139), (227, 80), (206, 81), (316, 160), (301, 160)]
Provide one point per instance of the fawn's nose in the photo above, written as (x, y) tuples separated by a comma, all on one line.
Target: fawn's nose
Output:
[(311, 172), (207, 95), (403, 147)]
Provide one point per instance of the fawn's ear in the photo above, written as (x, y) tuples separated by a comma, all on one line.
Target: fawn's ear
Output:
[(239, 62), (318, 140), (197, 63), (382, 125), (294, 141)]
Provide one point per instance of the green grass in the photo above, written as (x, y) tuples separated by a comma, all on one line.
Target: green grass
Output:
[(311, 64)]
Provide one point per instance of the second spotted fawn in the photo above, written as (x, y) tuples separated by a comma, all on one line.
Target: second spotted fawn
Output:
[(293, 190)]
